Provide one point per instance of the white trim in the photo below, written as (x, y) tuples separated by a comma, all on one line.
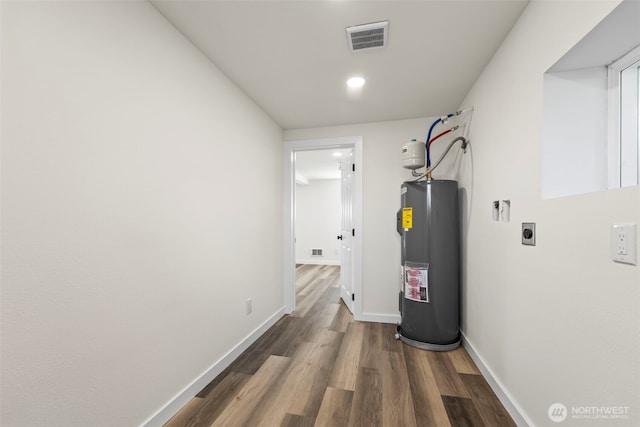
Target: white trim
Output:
[(380, 318), (165, 413), (317, 261), (288, 207), (617, 177), (613, 128), (290, 147), (627, 60), (510, 404)]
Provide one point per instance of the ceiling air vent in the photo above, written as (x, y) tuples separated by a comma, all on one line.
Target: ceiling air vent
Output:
[(368, 36)]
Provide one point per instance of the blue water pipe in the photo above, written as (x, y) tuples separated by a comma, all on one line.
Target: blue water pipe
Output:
[(429, 137)]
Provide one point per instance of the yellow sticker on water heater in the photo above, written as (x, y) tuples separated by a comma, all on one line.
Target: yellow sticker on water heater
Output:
[(407, 218)]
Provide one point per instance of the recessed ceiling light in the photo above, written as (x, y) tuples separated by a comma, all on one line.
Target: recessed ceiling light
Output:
[(337, 154), (355, 82)]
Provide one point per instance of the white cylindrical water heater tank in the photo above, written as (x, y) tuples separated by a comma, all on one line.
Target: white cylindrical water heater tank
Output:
[(413, 155)]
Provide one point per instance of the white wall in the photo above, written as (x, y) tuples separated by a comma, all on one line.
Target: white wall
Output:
[(574, 134), (126, 228), (558, 322), (318, 221), (382, 175)]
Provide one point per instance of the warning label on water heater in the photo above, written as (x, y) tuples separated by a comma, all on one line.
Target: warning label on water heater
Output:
[(416, 282), (407, 218)]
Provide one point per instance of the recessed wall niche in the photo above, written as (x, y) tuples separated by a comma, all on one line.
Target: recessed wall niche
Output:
[(579, 151)]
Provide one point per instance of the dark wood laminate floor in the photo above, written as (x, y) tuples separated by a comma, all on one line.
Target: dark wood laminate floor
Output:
[(318, 367)]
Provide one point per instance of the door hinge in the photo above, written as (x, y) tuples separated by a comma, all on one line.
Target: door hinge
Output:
[(353, 297), (353, 232)]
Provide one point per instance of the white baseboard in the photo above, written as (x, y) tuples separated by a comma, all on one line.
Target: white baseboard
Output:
[(380, 318), (182, 398), (318, 261), (501, 392)]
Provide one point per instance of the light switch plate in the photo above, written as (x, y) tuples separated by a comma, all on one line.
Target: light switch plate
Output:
[(623, 243)]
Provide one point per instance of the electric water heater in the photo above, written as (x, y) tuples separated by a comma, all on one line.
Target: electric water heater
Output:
[(428, 223)]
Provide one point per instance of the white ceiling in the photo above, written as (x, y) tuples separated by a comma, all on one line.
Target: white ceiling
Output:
[(292, 59)]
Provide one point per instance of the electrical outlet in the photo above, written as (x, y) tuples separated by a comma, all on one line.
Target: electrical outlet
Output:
[(623, 243), (529, 233), (249, 306)]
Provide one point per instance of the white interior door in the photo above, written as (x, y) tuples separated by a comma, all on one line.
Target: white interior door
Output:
[(347, 232), (355, 258)]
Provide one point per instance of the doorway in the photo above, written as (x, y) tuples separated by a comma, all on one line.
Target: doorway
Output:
[(350, 243)]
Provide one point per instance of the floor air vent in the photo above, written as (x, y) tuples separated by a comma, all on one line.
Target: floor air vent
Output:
[(368, 36), (316, 252)]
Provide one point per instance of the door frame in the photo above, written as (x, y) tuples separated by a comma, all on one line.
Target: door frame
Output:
[(290, 148)]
